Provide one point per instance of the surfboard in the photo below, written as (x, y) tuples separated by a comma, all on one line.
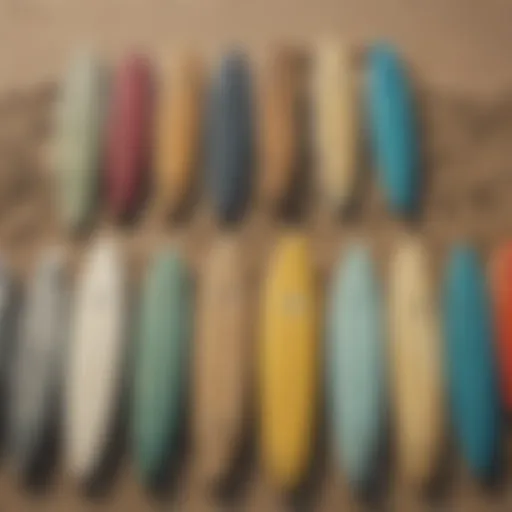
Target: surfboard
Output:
[(356, 366), (229, 138), (280, 126), (222, 363), (10, 307), (470, 361), (37, 379), (501, 281), (336, 125), (288, 363), (80, 123), (128, 139), (161, 364), (416, 364), (178, 132), (96, 359), (392, 128)]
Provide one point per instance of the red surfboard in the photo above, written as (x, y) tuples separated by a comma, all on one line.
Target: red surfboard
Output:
[(128, 136), (501, 274)]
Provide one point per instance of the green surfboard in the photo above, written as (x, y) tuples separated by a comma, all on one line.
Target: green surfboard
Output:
[(165, 329)]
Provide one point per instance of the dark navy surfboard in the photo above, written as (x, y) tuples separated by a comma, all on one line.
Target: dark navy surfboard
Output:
[(230, 138)]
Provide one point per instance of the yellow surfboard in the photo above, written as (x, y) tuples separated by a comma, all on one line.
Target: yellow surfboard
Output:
[(415, 363), (288, 363), (178, 127), (222, 363), (280, 126), (335, 115)]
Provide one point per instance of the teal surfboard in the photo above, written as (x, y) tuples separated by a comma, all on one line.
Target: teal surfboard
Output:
[(356, 366), (80, 120), (470, 362), (392, 128), (161, 363)]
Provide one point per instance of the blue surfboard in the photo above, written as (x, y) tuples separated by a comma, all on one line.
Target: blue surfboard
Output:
[(229, 138), (356, 366), (392, 128), (470, 361)]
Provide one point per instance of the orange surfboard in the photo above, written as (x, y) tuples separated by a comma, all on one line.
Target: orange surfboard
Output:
[(179, 108), (501, 281)]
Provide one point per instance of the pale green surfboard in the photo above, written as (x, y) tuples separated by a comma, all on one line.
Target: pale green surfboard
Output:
[(161, 363), (80, 120)]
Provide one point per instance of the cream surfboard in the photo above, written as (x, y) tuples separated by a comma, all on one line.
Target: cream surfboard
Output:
[(178, 131), (96, 359), (37, 378), (288, 363), (222, 359), (416, 363), (280, 127), (335, 124)]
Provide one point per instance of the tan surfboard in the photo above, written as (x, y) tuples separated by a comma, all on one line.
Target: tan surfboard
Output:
[(178, 127), (280, 126), (222, 363), (335, 121), (416, 364)]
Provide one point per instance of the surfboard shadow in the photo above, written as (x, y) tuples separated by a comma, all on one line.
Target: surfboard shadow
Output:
[(373, 492), (165, 481), (100, 482), (305, 495), (231, 488), (102, 479), (38, 475), (436, 488)]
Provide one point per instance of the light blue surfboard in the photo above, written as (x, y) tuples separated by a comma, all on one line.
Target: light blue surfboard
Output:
[(356, 365)]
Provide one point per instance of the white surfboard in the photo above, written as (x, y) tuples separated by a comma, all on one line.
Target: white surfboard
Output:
[(96, 358), (335, 124), (36, 383), (416, 363)]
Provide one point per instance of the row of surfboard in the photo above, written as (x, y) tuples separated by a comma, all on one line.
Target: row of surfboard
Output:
[(140, 120), (193, 344)]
